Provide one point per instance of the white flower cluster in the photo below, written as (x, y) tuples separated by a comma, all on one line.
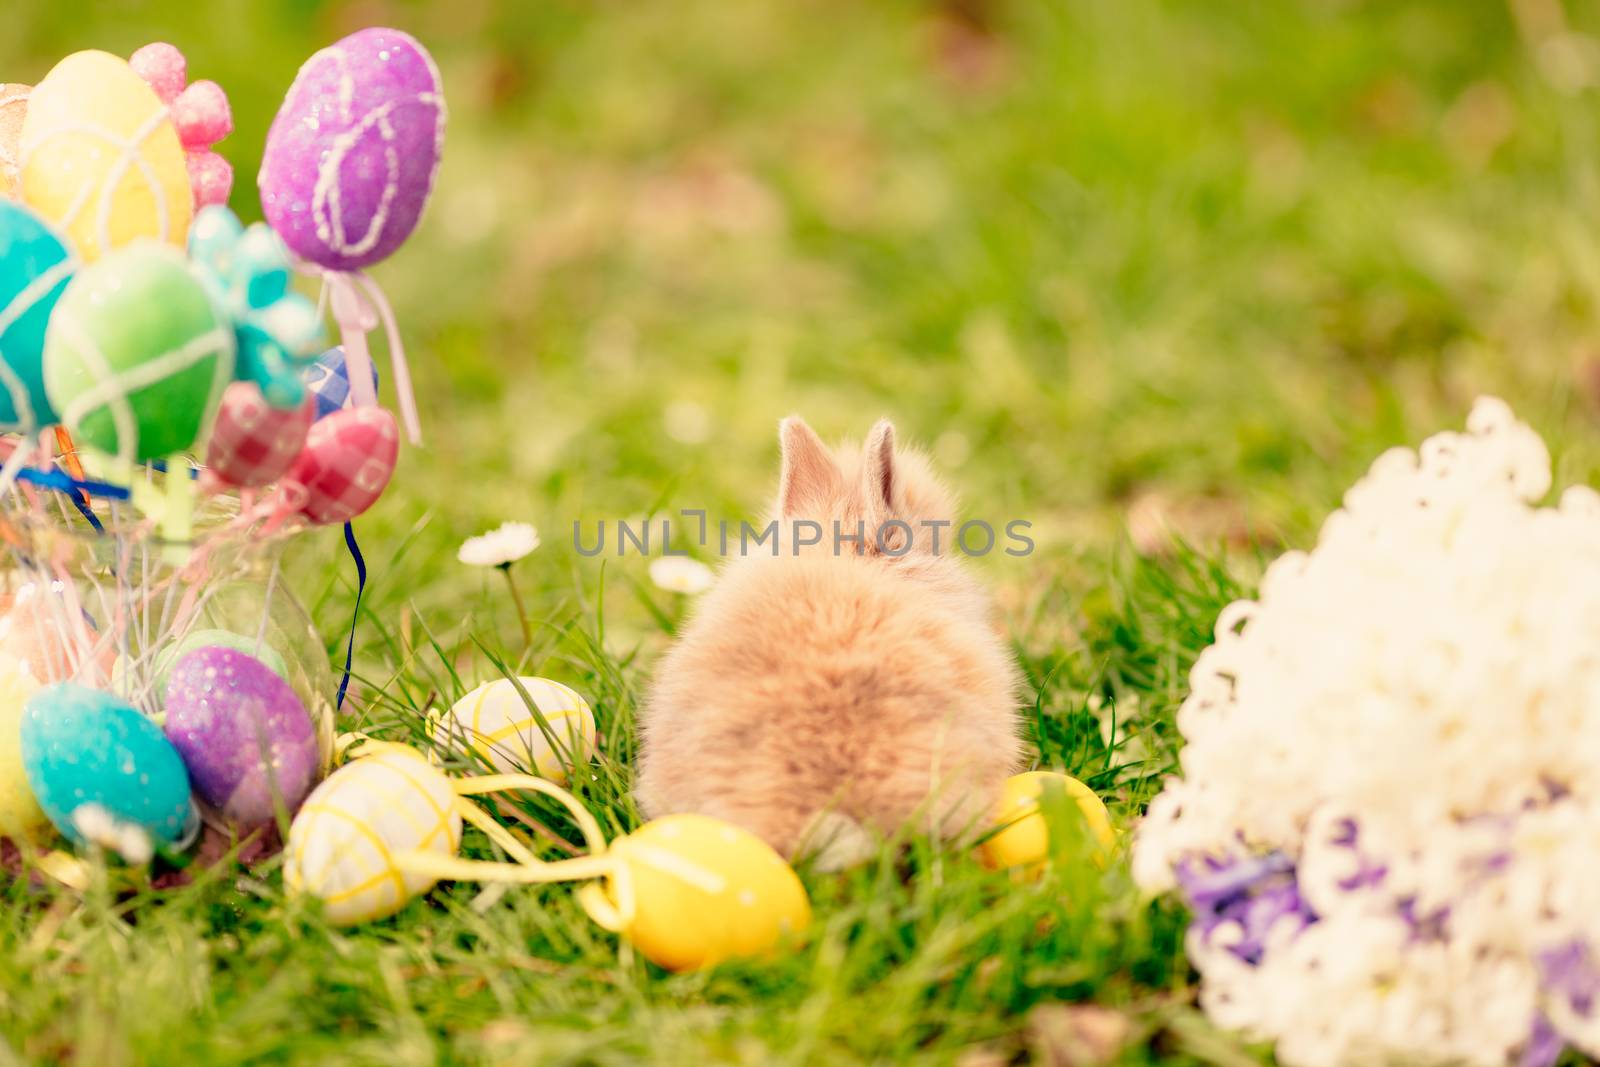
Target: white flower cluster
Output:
[(1388, 820)]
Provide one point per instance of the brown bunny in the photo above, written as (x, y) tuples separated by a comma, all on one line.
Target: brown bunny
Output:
[(824, 696)]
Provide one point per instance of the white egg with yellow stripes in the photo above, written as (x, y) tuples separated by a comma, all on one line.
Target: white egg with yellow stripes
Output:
[(496, 721), (343, 842)]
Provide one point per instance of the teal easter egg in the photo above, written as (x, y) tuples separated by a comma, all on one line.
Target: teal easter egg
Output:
[(35, 267), (83, 746), (137, 355), (167, 657)]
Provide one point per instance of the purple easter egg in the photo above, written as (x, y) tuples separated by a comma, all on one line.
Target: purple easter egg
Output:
[(350, 159), (242, 733)]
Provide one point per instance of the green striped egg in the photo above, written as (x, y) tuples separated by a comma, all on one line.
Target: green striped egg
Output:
[(137, 355)]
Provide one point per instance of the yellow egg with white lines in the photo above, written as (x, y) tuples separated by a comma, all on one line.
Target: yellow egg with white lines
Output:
[(1024, 840), (496, 721), (346, 835), (693, 891), (100, 158), (20, 814)]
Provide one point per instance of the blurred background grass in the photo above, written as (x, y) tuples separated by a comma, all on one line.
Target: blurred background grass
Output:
[(1177, 264)]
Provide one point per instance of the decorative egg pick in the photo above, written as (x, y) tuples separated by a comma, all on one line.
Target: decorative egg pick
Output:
[(497, 722), (101, 160), (13, 109), (244, 735), (278, 332), (199, 113), (351, 157), (1024, 837), (253, 443), (346, 465), (35, 267), (328, 380), (137, 356), (94, 762)]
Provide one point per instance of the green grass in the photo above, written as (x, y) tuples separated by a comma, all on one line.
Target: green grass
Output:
[(1178, 266)]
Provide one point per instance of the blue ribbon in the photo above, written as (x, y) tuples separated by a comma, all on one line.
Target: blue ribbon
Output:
[(361, 584), (65, 483)]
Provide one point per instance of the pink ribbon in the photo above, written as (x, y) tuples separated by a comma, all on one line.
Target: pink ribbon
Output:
[(359, 305)]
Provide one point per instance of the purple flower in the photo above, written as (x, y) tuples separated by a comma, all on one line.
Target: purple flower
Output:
[(1255, 893)]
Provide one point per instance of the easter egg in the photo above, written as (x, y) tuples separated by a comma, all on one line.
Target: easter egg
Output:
[(101, 160), (343, 841), (20, 814), (168, 657), (35, 267), (351, 156), (496, 721), (1025, 837), (137, 356), (252, 442), (242, 732), (83, 746), (35, 631), (702, 891), (13, 109), (328, 381), (347, 463)]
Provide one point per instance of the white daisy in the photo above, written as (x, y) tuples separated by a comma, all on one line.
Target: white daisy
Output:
[(680, 574), (100, 827), (501, 547)]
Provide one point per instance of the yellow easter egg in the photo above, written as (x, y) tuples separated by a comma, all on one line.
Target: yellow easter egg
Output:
[(497, 722), (13, 108), (698, 891), (1025, 837), (100, 158), (344, 838), (20, 814)]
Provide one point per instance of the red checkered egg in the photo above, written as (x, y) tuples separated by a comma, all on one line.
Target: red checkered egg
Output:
[(347, 463), (252, 442)]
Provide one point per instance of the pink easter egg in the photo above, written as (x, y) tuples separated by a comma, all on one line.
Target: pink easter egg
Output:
[(351, 157), (210, 176), (347, 463), (201, 115), (252, 442), (163, 68)]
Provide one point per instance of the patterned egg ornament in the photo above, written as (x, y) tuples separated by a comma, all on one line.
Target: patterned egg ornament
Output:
[(100, 158), (13, 109), (347, 463), (137, 355), (1024, 840), (701, 891), (20, 814), (35, 267), (328, 381), (252, 442), (343, 841), (351, 156), (496, 721), (242, 732), (83, 746)]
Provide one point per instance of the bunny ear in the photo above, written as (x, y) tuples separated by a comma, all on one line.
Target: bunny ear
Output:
[(877, 467), (810, 477)]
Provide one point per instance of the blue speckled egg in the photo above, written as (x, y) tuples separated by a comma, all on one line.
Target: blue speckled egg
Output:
[(35, 266), (85, 746)]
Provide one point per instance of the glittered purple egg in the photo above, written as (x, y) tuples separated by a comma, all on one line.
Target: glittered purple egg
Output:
[(242, 732), (350, 159)]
